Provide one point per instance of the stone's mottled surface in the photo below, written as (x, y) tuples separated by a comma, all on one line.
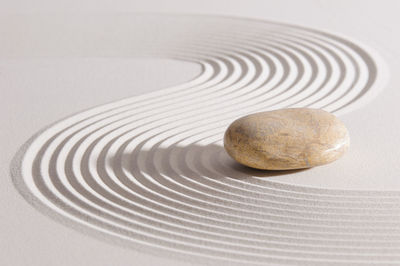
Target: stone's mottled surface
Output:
[(287, 139)]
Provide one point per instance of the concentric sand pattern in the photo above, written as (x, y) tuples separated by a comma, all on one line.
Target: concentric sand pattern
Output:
[(150, 172)]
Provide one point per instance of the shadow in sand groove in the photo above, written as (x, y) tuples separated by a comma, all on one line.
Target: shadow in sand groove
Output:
[(158, 160)]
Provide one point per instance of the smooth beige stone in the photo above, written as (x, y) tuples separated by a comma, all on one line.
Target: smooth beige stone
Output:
[(287, 139)]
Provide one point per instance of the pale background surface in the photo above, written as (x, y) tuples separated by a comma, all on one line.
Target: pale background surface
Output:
[(38, 91)]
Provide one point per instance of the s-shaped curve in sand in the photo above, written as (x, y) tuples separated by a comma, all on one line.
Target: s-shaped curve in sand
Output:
[(149, 172)]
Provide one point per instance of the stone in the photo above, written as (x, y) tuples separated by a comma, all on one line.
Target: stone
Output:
[(286, 139)]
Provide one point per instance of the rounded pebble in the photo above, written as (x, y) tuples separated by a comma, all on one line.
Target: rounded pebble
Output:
[(286, 139)]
